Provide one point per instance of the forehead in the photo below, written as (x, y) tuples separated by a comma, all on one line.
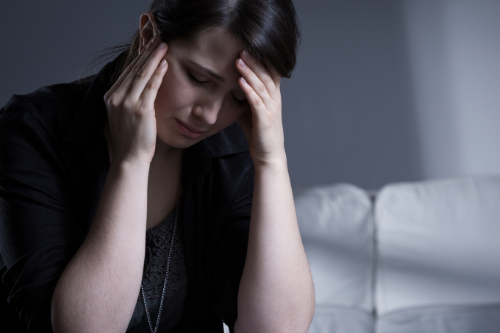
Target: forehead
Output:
[(215, 48)]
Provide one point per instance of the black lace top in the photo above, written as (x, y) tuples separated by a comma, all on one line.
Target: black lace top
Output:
[(158, 241)]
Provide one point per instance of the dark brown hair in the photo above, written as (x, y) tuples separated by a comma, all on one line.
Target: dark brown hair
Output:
[(267, 28)]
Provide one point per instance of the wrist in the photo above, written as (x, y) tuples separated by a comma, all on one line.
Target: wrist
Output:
[(275, 164), (130, 166)]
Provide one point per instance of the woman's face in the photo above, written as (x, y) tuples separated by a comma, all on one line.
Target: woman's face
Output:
[(200, 89)]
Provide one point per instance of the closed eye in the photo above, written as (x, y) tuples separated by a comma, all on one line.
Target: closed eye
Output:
[(240, 102), (196, 81)]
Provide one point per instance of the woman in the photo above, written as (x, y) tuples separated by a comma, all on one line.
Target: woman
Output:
[(160, 200)]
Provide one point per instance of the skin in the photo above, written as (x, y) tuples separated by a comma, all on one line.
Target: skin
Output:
[(193, 96), (276, 292)]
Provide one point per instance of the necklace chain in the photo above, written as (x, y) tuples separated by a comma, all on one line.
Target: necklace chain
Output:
[(168, 264)]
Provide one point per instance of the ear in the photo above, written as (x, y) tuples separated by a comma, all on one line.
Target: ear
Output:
[(147, 30)]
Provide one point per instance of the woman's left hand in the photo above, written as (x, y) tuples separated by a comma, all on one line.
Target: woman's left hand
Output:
[(262, 125)]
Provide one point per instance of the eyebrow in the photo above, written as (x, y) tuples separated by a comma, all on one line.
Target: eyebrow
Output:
[(218, 77)]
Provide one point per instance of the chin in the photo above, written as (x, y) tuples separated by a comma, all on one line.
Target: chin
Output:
[(179, 141)]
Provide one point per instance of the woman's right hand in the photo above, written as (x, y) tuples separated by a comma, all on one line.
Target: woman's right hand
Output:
[(130, 105)]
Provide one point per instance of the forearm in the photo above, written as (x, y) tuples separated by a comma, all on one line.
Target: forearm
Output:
[(276, 292), (98, 289)]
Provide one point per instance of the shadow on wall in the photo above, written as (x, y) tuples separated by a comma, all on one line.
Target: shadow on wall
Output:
[(348, 110)]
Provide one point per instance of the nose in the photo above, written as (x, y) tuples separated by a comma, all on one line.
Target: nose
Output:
[(208, 109)]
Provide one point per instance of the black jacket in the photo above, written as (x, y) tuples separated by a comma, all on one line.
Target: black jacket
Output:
[(53, 164)]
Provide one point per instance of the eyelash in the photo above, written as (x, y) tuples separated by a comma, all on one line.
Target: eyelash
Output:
[(195, 81), (202, 83)]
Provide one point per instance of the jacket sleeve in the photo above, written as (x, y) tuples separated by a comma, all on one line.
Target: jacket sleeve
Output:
[(231, 253), (39, 229)]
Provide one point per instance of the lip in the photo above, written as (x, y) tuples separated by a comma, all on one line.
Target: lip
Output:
[(188, 130)]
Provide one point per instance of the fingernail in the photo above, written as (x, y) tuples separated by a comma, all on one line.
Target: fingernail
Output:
[(242, 63), (163, 63), (243, 80), (162, 46)]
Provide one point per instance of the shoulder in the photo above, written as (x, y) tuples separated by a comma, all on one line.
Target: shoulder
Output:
[(50, 108)]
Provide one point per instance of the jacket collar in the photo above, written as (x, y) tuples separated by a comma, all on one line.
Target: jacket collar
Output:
[(86, 129)]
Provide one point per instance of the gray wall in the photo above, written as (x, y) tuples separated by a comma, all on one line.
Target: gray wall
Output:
[(47, 42), (348, 110), (383, 91), (455, 64)]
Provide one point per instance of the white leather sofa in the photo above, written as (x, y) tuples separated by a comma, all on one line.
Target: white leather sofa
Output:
[(414, 257)]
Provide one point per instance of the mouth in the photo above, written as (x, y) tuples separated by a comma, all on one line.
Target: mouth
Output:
[(188, 131)]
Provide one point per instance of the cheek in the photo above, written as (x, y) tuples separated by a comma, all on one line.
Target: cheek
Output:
[(230, 114)]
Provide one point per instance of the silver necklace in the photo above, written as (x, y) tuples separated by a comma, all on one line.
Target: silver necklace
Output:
[(168, 263)]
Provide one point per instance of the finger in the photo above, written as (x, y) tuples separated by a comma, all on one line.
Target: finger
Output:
[(144, 75), (126, 72), (254, 81), (148, 96), (122, 77), (256, 102), (135, 71), (274, 74), (259, 69)]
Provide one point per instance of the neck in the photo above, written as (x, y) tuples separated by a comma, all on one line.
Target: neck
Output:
[(164, 152)]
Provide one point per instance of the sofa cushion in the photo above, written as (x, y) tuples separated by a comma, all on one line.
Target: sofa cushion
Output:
[(337, 231), (438, 243), (328, 319), (458, 319)]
